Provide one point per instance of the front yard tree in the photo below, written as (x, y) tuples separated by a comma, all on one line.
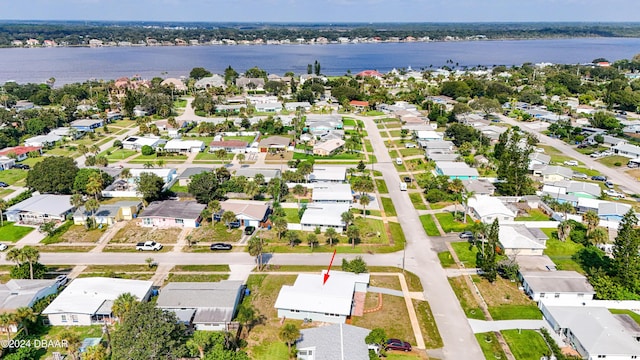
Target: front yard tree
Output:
[(54, 174), (591, 219), (312, 239), (26, 255), (203, 187), (26, 316), (364, 201), (3, 207), (626, 261), (488, 263), (256, 248), (513, 164), (331, 234), (289, 334), (123, 304), (377, 336), (92, 205), (148, 333), (356, 266), (228, 217), (280, 226), (353, 233), (150, 186), (347, 218)]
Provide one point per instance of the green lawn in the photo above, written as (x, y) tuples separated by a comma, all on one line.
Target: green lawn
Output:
[(611, 161), (466, 299), (490, 346), (411, 152), (417, 202), (586, 171), (561, 252), (12, 176), (526, 344), (120, 154), (212, 156), (446, 260), (448, 224), (341, 156), (428, 325), (429, 225), (291, 215), (270, 351), (389, 209), (556, 155), (514, 312), (466, 253), (382, 186), (348, 122), (534, 215), (197, 277), (176, 188), (12, 233)]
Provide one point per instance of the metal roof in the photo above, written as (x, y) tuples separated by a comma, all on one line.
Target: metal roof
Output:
[(44, 204), (331, 192), (326, 214), (557, 282)]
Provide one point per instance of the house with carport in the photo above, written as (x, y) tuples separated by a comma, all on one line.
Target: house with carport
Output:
[(108, 214), (274, 143)]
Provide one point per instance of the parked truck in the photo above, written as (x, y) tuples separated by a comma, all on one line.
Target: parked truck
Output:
[(148, 246)]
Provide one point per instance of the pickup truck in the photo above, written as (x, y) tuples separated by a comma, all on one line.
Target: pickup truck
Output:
[(148, 246)]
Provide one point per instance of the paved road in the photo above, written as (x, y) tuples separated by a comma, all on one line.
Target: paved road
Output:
[(617, 176), (134, 130), (458, 338)]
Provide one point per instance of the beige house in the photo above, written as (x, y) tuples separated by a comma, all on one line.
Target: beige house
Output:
[(329, 147)]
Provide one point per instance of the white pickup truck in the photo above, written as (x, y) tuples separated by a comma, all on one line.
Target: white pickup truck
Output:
[(148, 246)]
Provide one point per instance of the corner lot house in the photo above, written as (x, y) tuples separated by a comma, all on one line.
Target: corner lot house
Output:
[(86, 125), (332, 193), (520, 240), (202, 305), (20, 152), (332, 302), (564, 285), (456, 170), (488, 208), (88, 301), (338, 341), (324, 216), (184, 146), (249, 213), (594, 331), (172, 213), (39, 209), (108, 214)]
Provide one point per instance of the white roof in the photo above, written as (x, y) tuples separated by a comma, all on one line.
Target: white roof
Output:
[(329, 145), (44, 204), (450, 168), (142, 141), (178, 144), (511, 238), (485, 205), (597, 330), (50, 138), (328, 173), (324, 214), (428, 134), (309, 294), (87, 295), (331, 192), (163, 173)]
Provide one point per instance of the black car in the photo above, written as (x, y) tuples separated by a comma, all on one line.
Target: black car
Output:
[(220, 246), (599, 178), (21, 166), (3, 184), (234, 224), (249, 230), (407, 179)]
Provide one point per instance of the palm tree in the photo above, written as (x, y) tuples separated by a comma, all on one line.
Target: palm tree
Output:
[(353, 233), (240, 158), (25, 315), (566, 208), (31, 255), (299, 191), (6, 320), (122, 305), (72, 341), (591, 219), (160, 162), (92, 205), (251, 189), (465, 202), (256, 248), (215, 207), (331, 235), (221, 154), (3, 207), (289, 334), (347, 218), (95, 149), (125, 174), (84, 150), (76, 200), (564, 230), (94, 184), (312, 239), (364, 201), (599, 236), (228, 217), (148, 165), (280, 226), (456, 188)]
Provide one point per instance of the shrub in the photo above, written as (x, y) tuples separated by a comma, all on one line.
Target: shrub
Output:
[(147, 150), (436, 195)]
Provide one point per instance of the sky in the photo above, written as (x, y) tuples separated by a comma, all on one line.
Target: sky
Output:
[(323, 10)]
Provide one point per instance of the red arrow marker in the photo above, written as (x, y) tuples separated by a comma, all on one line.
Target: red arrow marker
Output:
[(326, 275)]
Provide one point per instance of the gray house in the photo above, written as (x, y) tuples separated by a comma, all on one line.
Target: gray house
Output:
[(338, 341)]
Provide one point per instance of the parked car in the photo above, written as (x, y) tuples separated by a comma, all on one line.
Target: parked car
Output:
[(599, 178), (3, 247), (614, 193), (466, 235), (21, 166), (583, 146), (148, 246), (248, 230), (398, 161), (234, 224), (580, 175), (571, 163), (538, 150), (407, 179), (395, 344), (608, 184), (220, 246), (61, 280), (3, 184)]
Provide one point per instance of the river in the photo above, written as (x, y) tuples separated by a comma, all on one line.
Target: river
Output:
[(69, 65)]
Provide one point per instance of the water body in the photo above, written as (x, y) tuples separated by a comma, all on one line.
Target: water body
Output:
[(69, 65)]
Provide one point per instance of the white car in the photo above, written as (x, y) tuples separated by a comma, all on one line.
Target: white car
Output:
[(538, 150), (3, 247), (571, 163), (614, 193)]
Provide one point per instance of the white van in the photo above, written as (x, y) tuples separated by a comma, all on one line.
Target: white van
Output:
[(398, 161), (403, 186)]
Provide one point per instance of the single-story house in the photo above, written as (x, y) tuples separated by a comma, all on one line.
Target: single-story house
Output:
[(185, 178), (488, 208), (6, 162), (230, 146), (214, 80), (87, 125), (427, 135), (39, 209), (575, 188), (456, 170), (172, 213), (20, 152), (521, 240), (594, 332), (337, 341), (437, 145), (251, 172), (230, 108), (269, 107), (612, 211), (337, 174), (359, 105), (251, 83), (627, 150), (137, 142), (332, 193), (43, 140), (537, 158), (23, 105), (310, 298), (17, 293), (129, 188), (293, 106), (207, 305), (249, 213), (108, 214), (435, 155), (184, 146), (329, 147), (479, 187), (166, 174), (566, 285), (88, 301), (555, 173), (277, 143), (67, 132), (324, 216)]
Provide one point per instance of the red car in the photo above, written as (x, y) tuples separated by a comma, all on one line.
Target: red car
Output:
[(395, 344)]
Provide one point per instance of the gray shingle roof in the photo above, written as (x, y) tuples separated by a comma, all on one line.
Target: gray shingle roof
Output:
[(336, 342), (174, 209)]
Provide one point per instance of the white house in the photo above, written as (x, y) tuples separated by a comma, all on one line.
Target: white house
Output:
[(310, 298), (88, 301), (324, 216), (184, 146), (332, 193), (627, 150), (269, 107), (520, 240), (137, 142), (39, 209), (488, 208), (43, 140), (206, 306), (566, 285), (594, 332), (293, 106), (251, 172), (6, 162), (427, 135), (336, 174)]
